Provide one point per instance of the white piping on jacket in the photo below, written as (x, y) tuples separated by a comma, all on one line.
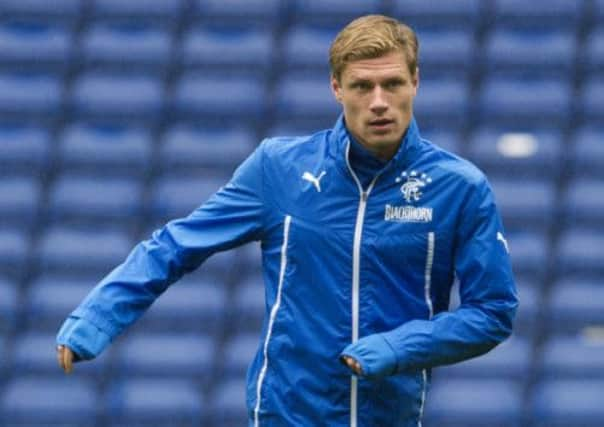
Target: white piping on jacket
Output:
[(271, 322), (427, 285)]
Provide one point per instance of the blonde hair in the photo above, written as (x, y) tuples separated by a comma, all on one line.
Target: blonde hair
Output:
[(370, 37)]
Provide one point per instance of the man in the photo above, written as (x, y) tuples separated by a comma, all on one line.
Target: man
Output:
[(363, 228)]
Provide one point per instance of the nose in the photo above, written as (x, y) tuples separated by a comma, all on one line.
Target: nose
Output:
[(378, 103)]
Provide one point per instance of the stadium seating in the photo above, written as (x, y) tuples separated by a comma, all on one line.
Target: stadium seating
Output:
[(14, 251), (25, 149), (19, 201), (164, 11), (56, 11), (453, 14), (31, 96), (8, 305), (586, 155)]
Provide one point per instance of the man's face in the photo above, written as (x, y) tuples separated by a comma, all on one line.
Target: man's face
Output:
[(377, 97)]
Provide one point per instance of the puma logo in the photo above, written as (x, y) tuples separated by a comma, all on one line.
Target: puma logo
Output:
[(502, 240), (316, 181)]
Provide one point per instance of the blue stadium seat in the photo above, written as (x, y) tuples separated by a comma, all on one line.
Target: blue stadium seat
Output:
[(575, 304), (72, 251), (228, 404), (154, 403), (530, 52), (580, 251), (527, 153), (509, 360), (193, 304), (9, 309), (474, 403), (587, 153), (117, 150), (306, 50), (526, 321), (528, 102), (333, 12), (19, 201), (529, 251), (552, 14), (239, 351), (525, 203), (303, 99), (188, 148), (166, 12), (573, 357), (247, 311), (214, 99), (234, 51), (583, 203), (258, 13), (35, 45), (92, 199), (57, 10), (570, 402), (154, 355), (49, 400), (50, 299), (14, 251), (597, 11), (174, 197), (443, 102), (29, 95), (450, 14), (593, 58), (446, 138), (123, 46), (446, 53), (118, 97), (33, 354), (25, 148), (591, 101)]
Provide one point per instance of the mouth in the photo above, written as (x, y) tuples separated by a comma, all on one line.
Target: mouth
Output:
[(380, 124)]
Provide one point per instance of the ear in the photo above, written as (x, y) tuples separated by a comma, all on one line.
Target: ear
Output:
[(336, 89), (416, 80)]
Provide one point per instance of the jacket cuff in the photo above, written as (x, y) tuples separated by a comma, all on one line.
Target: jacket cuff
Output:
[(83, 337), (375, 355)]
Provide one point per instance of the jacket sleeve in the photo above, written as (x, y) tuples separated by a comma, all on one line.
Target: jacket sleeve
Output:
[(484, 317), (232, 216)]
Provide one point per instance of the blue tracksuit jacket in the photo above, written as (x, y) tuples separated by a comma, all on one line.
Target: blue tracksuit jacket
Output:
[(365, 272)]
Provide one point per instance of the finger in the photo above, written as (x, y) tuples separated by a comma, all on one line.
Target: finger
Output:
[(67, 360), (60, 349)]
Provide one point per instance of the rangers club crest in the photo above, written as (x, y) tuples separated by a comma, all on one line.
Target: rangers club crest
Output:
[(413, 183)]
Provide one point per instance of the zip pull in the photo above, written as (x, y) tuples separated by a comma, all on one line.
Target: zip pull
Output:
[(364, 196)]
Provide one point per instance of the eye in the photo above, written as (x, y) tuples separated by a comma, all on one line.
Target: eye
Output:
[(363, 86), (393, 84)]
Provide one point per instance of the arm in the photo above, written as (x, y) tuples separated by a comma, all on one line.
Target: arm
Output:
[(232, 216), (483, 320)]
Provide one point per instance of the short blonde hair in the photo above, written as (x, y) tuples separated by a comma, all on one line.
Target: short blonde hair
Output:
[(370, 37)]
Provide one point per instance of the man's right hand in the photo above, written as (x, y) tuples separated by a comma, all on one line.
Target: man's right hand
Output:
[(65, 358)]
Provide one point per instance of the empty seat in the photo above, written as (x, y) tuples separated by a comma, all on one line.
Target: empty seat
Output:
[(174, 197), (593, 60), (35, 45), (446, 53), (583, 202), (448, 139), (228, 403), (14, 251), (528, 102), (49, 400), (591, 102), (580, 251), (509, 360), (25, 148), (90, 199), (570, 402), (452, 14), (306, 50), (9, 308), (249, 306), (19, 201), (526, 321), (229, 51), (74, 251), (155, 402), (239, 351), (529, 251), (30, 95), (534, 153), (573, 357), (125, 46), (524, 203), (162, 11), (475, 403), (587, 153), (50, 299), (553, 14), (59, 10), (303, 99), (442, 101), (530, 52), (216, 99), (575, 304), (333, 12), (261, 13), (105, 149), (118, 97), (169, 354), (189, 147), (189, 305)]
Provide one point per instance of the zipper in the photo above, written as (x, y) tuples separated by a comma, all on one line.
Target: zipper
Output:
[(356, 271)]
